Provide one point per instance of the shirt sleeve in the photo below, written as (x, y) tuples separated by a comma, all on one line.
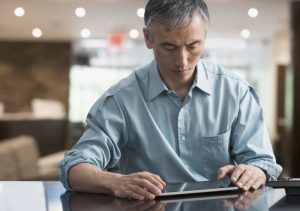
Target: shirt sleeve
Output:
[(102, 140), (250, 140)]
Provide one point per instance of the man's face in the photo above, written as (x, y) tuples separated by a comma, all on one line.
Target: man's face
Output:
[(178, 51)]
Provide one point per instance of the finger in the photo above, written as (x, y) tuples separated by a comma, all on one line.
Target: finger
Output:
[(135, 191), (159, 179), (251, 181), (224, 171), (130, 194), (247, 179), (156, 180), (250, 177), (244, 179), (237, 173), (258, 183), (143, 192), (145, 184), (152, 179)]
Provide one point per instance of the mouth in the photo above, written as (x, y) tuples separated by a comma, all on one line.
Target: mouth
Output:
[(181, 70)]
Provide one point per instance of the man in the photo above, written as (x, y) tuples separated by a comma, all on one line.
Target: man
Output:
[(176, 119)]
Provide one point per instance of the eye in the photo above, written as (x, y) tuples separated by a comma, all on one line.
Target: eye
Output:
[(169, 47), (193, 45)]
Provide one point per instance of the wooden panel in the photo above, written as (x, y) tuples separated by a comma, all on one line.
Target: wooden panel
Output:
[(31, 70)]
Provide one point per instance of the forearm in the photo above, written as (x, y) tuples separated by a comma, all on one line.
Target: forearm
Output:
[(85, 177)]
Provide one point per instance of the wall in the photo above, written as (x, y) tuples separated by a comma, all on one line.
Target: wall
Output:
[(33, 70)]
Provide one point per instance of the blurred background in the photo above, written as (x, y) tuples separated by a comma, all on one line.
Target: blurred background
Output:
[(58, 56)]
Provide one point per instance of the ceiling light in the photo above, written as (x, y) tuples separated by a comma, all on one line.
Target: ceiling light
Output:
[(133, 33), (253, 12), (85, 33), (140, 12), (19, 12), (80, 12), (36, 32), (245, 33)]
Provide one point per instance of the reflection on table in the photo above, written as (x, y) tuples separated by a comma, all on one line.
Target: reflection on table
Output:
[(51, 196), (255, 200)]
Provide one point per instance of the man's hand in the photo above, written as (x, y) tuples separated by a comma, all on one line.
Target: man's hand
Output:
[(244, 176), (141, 185)]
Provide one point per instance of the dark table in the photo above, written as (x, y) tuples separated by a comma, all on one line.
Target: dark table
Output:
[(51, 196)]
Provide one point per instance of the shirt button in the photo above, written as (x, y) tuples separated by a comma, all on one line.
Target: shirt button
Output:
[(183, 138)]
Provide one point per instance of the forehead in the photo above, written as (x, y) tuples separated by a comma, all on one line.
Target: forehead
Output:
[(196, 29)]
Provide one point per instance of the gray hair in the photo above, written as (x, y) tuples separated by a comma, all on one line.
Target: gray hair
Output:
[(174, 13)]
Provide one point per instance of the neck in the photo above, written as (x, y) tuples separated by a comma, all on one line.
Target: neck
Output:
[(181, 88)]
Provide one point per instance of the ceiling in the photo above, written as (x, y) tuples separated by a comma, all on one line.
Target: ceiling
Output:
[(57, 20)]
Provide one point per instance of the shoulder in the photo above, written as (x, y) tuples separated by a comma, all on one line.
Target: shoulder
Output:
[(122, 84), (129, 83), (126, 87), (222, 78), (224, 81), (217, 72)]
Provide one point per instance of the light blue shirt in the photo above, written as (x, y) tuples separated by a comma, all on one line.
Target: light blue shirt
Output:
[(143, 126)]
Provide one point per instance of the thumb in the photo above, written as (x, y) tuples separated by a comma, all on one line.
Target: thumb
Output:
[(225, 171)]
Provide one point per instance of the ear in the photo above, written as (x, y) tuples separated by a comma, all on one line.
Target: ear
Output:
[(147, 38)]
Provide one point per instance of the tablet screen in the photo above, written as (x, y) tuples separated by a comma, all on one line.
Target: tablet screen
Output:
[(205, 187)]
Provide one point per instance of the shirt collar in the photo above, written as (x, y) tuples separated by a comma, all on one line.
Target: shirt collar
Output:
[(157, 86), (201, 79)]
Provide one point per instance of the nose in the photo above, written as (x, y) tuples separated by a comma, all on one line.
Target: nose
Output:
[(181, 59)]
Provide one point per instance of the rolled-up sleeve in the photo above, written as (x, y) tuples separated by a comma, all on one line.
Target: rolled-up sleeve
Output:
[(250, 142), (102, 140)]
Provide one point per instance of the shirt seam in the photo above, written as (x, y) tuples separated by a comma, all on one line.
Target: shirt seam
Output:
[(209, 70), (116, 89)]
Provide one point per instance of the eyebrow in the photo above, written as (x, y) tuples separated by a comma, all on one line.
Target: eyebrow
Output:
[(167, 43), (195, 42), (172, 44)]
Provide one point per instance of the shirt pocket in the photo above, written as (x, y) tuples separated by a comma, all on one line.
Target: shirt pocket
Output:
[(212, 152)]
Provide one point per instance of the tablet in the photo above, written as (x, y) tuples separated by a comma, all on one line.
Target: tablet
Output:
[(291, 185), (284, 183), (198, 197), (192, 188)]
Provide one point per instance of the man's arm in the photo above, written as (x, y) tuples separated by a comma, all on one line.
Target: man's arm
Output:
[(251, 147), (88, 178), (98, 149)]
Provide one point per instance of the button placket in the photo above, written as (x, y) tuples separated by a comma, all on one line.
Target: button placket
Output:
[(181, 128)]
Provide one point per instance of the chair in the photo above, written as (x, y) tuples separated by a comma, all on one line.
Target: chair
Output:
[(20, 160)]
